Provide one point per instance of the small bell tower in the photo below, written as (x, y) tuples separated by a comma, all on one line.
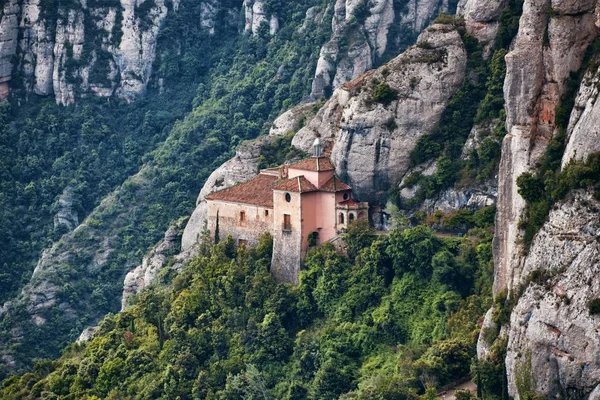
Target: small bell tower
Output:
[(317, 149)]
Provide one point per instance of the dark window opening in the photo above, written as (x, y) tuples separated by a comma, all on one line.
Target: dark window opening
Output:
[(288, 197), (242, 243), (313, 239), (243, 218), (346, 196), (266, 213), (351, 217), (341, 218), (287, 222)]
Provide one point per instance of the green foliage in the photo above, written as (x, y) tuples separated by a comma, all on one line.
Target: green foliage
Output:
[(375, 327), (384, 94), (541, 196), (594, 306), (277, 151)]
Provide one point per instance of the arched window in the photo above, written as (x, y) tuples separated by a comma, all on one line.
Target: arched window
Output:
[(288, 197), (341, 218), (351, 217), (346, 196)]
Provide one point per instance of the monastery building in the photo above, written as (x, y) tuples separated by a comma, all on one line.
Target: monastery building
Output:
[(301, 205)]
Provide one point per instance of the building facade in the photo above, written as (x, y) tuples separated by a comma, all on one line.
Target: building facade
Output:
[(301, 205)]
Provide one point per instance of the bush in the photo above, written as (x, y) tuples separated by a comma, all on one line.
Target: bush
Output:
[(384, 94), (594, 306)]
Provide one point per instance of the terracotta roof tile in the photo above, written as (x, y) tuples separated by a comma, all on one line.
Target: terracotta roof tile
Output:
[(334, 185), (298, 184), (257, 191), (349, 203), (314, 164)]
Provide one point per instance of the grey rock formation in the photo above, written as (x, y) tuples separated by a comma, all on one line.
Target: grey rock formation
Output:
[(9, 23), (43, 44), (552, 331), (535, 80), (473, 197), (360, 37), (242, 167), (87, 334), (143, 275), (583, 133), (482, 20), (256, 15), (371, 140), (552, 338), (66, 215)]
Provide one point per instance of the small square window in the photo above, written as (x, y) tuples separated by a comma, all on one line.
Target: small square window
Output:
[(287, 222)]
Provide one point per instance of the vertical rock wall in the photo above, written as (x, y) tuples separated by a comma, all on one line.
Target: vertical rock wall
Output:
[(106, 49), (547, 48), (362, 34)]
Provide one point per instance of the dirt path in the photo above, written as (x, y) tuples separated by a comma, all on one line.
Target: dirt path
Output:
[(449, 394)]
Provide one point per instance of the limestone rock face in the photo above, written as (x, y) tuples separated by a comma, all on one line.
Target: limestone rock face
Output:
[(473, 197), (583, 133), (66, 215), (552, 331), (362, 36), (257, 15), (535, 80), (552, 336), (143, 275), (44, 44), (371, 139), (482, 20), (9, 30), (242, 167)]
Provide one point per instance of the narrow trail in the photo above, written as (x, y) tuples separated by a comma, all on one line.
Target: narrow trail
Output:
[(449, 394)]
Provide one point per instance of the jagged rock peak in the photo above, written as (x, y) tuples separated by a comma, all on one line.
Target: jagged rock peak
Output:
[(256, 15), (362, 34)]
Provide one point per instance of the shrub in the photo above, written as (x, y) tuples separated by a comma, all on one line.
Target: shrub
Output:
[(424, 45), (384, 94), (594, 306)]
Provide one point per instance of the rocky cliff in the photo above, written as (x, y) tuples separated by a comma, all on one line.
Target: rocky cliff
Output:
[(371, 136), (550, 334), (78, 47), (363, 33)]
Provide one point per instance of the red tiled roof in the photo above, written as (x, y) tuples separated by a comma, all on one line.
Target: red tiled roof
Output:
[(298, 184), (349, 203), (257, 191), (314, 164), (334, 185)]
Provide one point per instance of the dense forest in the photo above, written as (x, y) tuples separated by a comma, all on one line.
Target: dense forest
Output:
[(397, 317)]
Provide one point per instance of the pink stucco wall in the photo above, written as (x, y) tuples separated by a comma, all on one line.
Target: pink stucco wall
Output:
[(318, 214), (316, 178)]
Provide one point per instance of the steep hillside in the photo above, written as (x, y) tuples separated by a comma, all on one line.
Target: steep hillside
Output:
[(157, 101), (224, 329)]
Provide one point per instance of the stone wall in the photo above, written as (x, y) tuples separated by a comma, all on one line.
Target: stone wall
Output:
[(257, 222), (286, 262)]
